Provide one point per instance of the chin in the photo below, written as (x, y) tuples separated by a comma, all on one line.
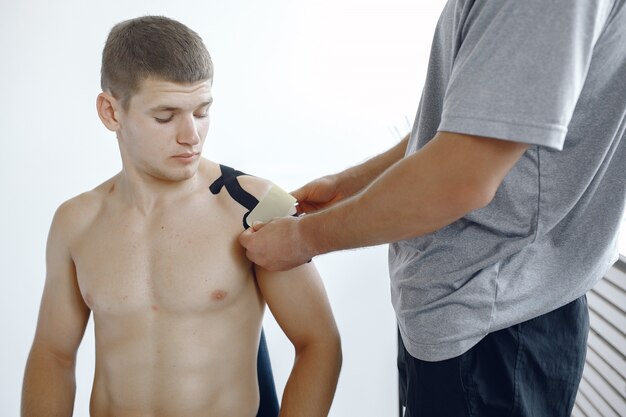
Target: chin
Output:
[(176, 175), (185, 175)]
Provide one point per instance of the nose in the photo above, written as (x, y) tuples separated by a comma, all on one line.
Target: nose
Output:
[(188, 131)]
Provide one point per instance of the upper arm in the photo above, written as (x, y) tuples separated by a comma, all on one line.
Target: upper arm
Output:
[(63, 314), (296, 298), (298, 301), (519, 68)]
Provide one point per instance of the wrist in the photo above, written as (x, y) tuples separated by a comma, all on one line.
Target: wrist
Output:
[(311, 232)]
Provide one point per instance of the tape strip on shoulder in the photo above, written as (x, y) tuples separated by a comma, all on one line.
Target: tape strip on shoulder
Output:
[(228, 179)]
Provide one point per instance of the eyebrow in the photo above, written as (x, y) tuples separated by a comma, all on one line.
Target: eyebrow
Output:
[(174, 109)]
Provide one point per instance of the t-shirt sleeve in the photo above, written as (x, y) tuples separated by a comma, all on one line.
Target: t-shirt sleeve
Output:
[(520, 68)]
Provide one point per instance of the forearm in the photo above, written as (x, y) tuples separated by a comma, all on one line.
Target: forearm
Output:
[(418, 195), (391, 209), (49, 386), (360, 176), (311, 386), (451, 176)]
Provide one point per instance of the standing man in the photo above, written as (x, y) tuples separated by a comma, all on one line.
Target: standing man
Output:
[(502, 207)]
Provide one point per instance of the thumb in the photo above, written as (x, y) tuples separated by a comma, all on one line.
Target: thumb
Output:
[(257, 225), (301, 194), (244, 237)]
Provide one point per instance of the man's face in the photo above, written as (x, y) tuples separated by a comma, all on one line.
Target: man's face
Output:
[(162, 132)]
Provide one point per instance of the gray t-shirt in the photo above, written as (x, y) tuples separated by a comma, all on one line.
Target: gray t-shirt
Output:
[(551, 74)]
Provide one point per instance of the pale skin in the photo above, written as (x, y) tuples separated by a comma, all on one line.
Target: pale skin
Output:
[(177, 307), (386, 199)]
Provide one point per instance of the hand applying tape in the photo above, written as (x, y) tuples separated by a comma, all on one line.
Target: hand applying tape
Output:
[(276, 203)]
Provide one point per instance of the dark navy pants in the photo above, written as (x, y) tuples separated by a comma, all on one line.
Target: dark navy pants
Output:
[(268, 406), (529, 369)]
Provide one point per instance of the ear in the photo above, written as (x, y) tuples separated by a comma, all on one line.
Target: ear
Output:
[(108, 110)]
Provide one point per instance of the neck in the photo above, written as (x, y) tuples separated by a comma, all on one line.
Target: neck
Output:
[(146, 193)]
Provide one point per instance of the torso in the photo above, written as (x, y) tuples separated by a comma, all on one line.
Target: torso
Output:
[(176, 309)]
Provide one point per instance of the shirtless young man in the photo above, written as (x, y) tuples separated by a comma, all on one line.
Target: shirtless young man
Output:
[(153, 254)]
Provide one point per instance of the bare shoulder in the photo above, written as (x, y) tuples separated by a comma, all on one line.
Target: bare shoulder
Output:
[(256, 186), (75, 215), (244, 196)]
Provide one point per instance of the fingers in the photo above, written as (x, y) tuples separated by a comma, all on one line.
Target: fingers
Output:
[(244, 240), (301, 194), (244, 237), (300, 210), (311, 190), (257, 225)]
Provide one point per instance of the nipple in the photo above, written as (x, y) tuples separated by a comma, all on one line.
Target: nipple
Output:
[(219, 295)]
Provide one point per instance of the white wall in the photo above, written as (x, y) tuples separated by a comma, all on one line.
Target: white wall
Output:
[(301, 89)]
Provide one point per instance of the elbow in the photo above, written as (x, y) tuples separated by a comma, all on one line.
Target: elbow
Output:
[(474, 196), (46, 354), (338, 352), (334, 355), (483, 196), (327, 350)]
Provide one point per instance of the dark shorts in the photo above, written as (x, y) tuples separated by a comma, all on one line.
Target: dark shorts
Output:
[(529, 369)]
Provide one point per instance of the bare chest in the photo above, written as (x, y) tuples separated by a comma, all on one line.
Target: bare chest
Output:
[(188, 263)]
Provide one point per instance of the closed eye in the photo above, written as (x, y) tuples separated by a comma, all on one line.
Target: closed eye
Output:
[(159, 120)]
